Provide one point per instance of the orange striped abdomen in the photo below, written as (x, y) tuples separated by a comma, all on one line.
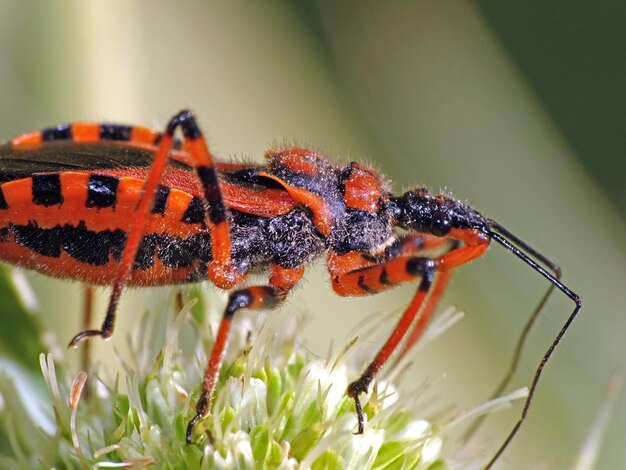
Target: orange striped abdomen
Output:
[(74, 225)]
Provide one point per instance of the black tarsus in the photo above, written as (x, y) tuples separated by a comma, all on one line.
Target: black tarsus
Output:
[(187, 122), (524, 252)]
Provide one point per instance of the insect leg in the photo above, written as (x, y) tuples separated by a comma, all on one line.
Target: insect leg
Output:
[(438, 287), (412, 244), (514, 361), (440, 283), (393, 272), (221, 271), (522, 254), (281, 282), (474, 249), (528, 326), (375, 278)]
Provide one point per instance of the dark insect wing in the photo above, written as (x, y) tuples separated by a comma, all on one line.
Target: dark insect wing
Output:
[(243, 189), (54, 157)]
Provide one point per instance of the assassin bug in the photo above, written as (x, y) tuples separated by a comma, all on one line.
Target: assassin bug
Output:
[(98, 203)]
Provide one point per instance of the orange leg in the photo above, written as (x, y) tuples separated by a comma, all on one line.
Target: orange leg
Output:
[(221, 271), (404, 269), (476, 246), (375, 278), (281, 282), (438, 287), (411, 245)]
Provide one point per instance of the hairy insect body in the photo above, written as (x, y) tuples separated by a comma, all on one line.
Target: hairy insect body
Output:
[(73, 223), (99, 203), (348, 206), (287, 240)]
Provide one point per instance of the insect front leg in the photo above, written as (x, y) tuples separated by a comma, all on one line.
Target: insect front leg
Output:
[(281, 281), (414, 244), (345, 269), (221, 271), (374, 279), (438, 287), (370, 279)]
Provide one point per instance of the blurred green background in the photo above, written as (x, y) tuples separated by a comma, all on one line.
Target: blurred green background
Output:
[(518, 109)]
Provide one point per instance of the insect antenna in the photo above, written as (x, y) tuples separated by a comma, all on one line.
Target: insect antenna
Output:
[(526, 253), (524, 246), (528, 327)]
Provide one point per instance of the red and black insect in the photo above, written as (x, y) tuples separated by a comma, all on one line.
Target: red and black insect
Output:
[(98, 203)]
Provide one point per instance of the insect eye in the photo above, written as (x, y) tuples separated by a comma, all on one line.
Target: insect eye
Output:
[(441, 224)]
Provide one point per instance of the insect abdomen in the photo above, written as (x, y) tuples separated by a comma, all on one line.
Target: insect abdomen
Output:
[(73, 224)]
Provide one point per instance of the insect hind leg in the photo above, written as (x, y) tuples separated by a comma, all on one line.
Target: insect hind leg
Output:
[(269, 296), (221, 271)]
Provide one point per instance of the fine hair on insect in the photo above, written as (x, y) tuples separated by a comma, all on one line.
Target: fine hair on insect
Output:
[(119, 205)]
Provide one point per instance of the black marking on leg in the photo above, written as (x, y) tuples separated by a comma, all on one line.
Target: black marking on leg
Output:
[(115, 132), (423, 267), (46, 242), (102, 190), (60, 132), (47, 190), (270, 291), (217, 210), (190, 426), (195, 212), (160, 200), (359, 415), (419, 266), (427, 281), (414, 266), (186, 120), (238, 300), (272, 297), (5, 234), (354, 389)]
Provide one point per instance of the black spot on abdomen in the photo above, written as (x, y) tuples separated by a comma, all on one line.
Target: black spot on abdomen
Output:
[(46, 242), (102, 190), (47, 190)]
